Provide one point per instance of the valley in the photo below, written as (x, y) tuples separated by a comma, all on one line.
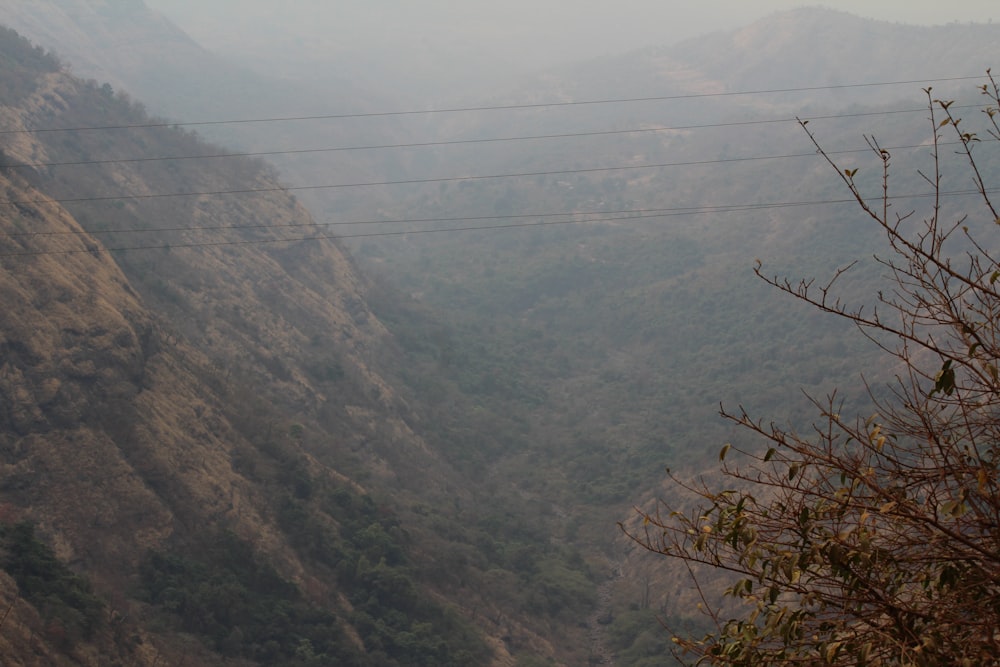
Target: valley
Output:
[(294, 375)]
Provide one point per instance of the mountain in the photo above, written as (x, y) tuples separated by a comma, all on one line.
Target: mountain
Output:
[(207, 457), (619, 307), (140, 53), (134, 49), (826, 47), (489, 403)]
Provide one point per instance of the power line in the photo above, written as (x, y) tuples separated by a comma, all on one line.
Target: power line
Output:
[(631, 214), (665, 213), (410, 181), (455, 142), (626, 213), (653, 213), (312, 223), (419, 181), (499, 107)]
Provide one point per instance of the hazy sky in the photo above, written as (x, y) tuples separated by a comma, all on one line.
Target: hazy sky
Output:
[(576, 26), (406, 40)]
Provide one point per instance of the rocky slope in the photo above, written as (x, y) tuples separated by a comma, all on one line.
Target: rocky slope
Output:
[(193, 416)]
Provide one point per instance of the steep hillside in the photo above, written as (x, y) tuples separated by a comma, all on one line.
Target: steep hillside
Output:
[(75, 353), (197, 420), (119, 445), (516, 391), (140, 53), (124, 43), (298, 302)]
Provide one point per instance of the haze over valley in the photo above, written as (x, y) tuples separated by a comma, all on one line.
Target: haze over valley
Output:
[(348, 335)]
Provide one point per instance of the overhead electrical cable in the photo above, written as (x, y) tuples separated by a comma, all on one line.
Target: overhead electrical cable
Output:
[(149, 230), (497, 107), (408, 181), (455, 142), (666, 213), (661, 213), (376, 221), (625, 213)]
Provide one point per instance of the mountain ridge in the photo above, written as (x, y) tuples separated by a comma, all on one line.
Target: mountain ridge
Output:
[(165, 408), (463, 426)]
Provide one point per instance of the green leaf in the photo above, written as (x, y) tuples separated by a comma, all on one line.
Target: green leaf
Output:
[(944, 381), (769, 454), (725, 450)]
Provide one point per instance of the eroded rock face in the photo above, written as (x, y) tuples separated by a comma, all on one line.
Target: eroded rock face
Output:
[(67, 340), (172, 369), (146, 397), (111, 438)]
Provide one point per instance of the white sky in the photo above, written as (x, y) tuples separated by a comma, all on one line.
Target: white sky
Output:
[(580, 26)]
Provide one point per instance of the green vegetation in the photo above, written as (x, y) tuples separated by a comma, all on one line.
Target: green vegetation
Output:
[(398, 622), (537, 381), (638, 638), (62, 597), (870, 540), (243, 607), (21, 64), (575, 363)]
